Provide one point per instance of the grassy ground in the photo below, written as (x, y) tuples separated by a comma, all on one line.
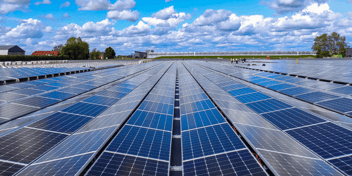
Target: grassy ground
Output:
[(229, 57)]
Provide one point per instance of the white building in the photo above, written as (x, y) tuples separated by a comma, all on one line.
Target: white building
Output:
[(11, 50)]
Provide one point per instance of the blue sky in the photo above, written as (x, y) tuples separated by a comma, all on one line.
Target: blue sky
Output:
[(174, 25)]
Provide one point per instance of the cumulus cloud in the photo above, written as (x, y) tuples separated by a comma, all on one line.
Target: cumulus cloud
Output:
[(43, 2), (7, 6), (119, 5), (65, 4), (212, 16), (165, 13), (286, 6), (48, 29), (48, 17), (65, 15), (30, 28), (139, 29), (128, 15)]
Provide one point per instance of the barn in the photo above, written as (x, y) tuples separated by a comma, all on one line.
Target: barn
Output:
[(11, 50)]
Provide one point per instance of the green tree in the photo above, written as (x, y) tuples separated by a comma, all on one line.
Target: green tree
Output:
[(109, 53), (76, 49), (327, 45), (95, 54)]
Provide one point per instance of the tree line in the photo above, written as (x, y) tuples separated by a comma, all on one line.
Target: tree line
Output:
[(77, 49), (327, 45)]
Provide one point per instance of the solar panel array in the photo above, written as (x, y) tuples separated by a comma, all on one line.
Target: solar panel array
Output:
[(133, 120)]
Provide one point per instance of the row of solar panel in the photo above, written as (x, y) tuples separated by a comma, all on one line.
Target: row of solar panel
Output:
[(307, 128), (48, 128), (209, 145)]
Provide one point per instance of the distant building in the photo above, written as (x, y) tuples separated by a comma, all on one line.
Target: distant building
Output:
[(45, 53), (138, 54), (349, 52), (11, 50), (102, 55)]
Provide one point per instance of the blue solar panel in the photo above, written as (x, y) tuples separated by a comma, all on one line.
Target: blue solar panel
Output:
[(142, 142), (268, 105), (296, 91), (281, 86), (241, 91), (343, 90), (84, 86), (61, 122), (252, 97), (58, 95), (344, 164), (233, 163), (66, 166), (72, 90), (117, 164), (260, 80), (40, 102), (316, 96), (233, 87), (201, 119), (341, 105), (9, 168), (44, 87), (209, 140), (292, 118), (11, 96), (101, 100), (269, 83), (111, 94), (151, 120), (27, 91), (57, 84), (85, 109), (327, 140), (157, 107)]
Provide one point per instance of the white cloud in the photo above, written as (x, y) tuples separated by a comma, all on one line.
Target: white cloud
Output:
[(171, 0), (65, 4), (210, 17), (128, 15), (48, 29), (43, 2), (66, 15), (139, 29), (48, 17), (7, 6), (286, 6), (30, 28), (165, 13), (4, 29), (119, 5)]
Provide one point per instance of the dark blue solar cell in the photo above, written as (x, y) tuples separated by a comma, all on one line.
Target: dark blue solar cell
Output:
[(27, 91), (111, 94), (233, 87), (66, 166), (252, 97), (296, 91), (117, 164), (35, 82), (201, 119), (269, 83), (268, 105), (44, 87), (343, 90), (151, 120), (341, 104), (238, 163), (8, 96), (7, 168), (21, 85), (210, 140), (38, 101), (241, 91), (72, 90), (260, 80), (61, 122), (327, 139), (142, 142), (57, 84), (84, 86), (281, 86), (58, 95), (85, 109), (344, 164), (101, 100), (292, 118), (316, 96)]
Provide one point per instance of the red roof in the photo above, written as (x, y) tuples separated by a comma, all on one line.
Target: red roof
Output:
[(45, 53)]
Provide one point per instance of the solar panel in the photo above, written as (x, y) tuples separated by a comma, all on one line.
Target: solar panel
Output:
[(101, 100), (296, 91), (9, 168), (201, 119), (27, 91), (269, 83), (209, 140), (151, 120), (7, 88), (242, 91), (58, 84), (58, 95), (118, 164), (292, 118), (233, 163), (268, 106), (111, 94), (252, 97), (344, 164), (327, 139), (316, 96), (143, 142), (11, 96), (25, 145), (281, 86), (45, 87), (341, 104), (343, 90), (85, 109), (61, 122), (10, 111), (284, 164), (39, 102), (65, 166), (72, 90)]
